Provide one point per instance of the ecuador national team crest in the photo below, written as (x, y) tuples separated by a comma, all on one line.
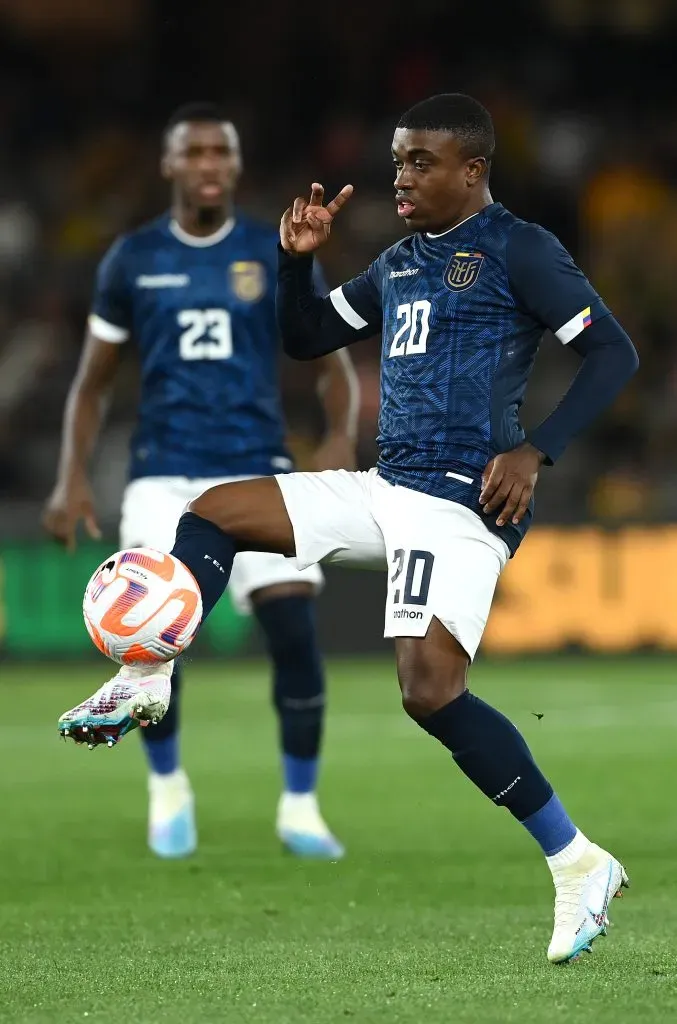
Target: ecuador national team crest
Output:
[(463, 270), (247, 279)]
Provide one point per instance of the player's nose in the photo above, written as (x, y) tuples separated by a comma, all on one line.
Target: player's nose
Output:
[(402, 179)]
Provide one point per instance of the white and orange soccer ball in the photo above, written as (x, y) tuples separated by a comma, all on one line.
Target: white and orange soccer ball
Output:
[(142, 606)]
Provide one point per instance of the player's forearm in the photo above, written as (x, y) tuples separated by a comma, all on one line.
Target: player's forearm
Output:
[(339, 391), (308, 323), (609, 361), (82, 421)]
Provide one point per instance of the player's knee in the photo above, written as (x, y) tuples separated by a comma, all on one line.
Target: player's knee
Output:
[(427, 686), (214, 505)]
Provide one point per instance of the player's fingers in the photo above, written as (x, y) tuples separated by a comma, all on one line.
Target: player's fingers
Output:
[(297, 209), (499, 495), (511, 503), (522, 505), (486, 476), (69, 539), (340, 200), (91, 525), (318, 216), (316, 194), (287, 234), (491, 479), (56, 524)]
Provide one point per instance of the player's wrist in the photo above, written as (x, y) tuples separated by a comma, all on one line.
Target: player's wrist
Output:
[(292, 252), (73, 477)]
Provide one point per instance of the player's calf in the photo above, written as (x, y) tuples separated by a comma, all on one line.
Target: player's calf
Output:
[(492, 753), (287, 617)]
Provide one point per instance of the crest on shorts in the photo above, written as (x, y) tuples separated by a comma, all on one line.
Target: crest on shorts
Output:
[(463, 270), (247, 279)]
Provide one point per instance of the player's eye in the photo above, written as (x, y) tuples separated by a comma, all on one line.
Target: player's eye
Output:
[(421, 165)]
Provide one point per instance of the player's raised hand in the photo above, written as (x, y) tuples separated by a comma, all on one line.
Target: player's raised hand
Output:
[(305, 225), (68, 503), (508, 483)]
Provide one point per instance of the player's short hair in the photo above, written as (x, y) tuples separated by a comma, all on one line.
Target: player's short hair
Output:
[(460, 115), (209, 112)]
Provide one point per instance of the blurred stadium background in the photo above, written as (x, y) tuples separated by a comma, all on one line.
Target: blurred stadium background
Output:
[(584, 99), (587, 145)]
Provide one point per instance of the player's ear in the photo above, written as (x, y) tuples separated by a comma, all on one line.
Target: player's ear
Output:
[(165, 168), (476, 170)]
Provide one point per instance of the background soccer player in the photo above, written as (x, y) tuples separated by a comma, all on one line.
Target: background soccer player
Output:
[(195, 290), (462, 303)]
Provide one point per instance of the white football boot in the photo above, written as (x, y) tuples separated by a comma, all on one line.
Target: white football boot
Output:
[(584, 887), (303, 831), (171, 815), (137, 695)]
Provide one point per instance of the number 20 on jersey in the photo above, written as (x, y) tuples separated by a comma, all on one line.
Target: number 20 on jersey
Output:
[(412, 336)]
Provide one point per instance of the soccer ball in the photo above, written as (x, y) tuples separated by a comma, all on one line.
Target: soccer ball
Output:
[(142, 606)]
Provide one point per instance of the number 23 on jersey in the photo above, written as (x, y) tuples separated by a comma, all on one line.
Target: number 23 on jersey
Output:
[(206, 334)]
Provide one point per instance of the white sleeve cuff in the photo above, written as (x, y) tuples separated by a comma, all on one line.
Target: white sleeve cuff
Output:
[(345, 310), (105, 331)]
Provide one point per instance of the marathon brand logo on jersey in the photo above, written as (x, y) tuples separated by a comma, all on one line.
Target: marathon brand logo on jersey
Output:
[(247, 279), (162, 281), (463, 270)]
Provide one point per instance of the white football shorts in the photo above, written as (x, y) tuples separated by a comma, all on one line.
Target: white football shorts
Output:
[(441, 559), (151, 509)]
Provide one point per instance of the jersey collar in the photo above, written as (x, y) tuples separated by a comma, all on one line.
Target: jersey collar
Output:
[(442, 234), (201, 241)]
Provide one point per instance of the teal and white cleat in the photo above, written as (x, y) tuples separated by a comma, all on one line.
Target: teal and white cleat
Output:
[(303, 831), (583, 891), (172, 832), (136, 696)]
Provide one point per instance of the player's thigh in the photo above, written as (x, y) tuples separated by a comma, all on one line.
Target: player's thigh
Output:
[(443, 563), (259, 571), (250, 510), (331, 517), (151, 508)]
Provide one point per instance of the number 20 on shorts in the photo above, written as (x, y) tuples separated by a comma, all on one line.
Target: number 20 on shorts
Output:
[(417, 578)]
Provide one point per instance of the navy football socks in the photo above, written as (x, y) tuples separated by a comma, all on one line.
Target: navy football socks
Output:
[(208, 552), (161, 741), (492, 753), (298, 686)]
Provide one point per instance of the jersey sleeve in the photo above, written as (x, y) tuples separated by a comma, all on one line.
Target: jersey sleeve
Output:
[(549, 286), (110, 317), (358, 301), (319, 280), (313, 324)]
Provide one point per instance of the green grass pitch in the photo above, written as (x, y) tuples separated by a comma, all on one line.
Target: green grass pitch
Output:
[(440, 913)]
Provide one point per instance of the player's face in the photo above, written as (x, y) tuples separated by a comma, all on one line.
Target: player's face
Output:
[(203, 160), (434, 182)]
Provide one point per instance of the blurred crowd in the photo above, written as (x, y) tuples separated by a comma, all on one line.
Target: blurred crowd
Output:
[(583, 98)]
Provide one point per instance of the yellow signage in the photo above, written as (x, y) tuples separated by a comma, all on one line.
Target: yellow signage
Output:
[(607, 591)]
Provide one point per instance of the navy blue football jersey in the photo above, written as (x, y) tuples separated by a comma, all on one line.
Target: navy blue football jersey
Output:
[(202, 315), (462, 314)]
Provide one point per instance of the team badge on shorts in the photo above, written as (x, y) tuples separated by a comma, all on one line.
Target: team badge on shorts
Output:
[(247, 279), (463, 270)]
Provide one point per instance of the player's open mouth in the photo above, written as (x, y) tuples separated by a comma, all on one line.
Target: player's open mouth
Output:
[(211, 190), (405, 207)]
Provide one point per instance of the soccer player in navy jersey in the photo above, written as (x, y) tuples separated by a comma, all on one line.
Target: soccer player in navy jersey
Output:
[(195, 290), (461, 304)]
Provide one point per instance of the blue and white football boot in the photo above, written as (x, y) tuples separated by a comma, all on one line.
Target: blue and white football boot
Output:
[(137, 695), (172, 832), (303, 831), (583, 892)]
